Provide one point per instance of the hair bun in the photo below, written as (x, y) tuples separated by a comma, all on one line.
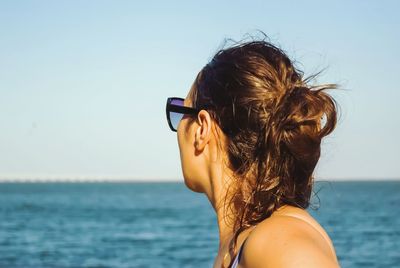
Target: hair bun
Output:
[(297, 90)]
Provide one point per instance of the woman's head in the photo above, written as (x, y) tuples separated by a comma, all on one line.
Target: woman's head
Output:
[(270, 121)]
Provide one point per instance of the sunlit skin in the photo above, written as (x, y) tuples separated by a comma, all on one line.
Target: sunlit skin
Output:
[(278, 241)]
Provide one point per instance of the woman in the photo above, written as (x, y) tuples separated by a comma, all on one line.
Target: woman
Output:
[(249, 134)]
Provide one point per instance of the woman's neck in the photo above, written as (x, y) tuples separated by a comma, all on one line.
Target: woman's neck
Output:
[(220, 183)]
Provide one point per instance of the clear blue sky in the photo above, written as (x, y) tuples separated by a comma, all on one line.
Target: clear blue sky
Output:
[(83, 84)]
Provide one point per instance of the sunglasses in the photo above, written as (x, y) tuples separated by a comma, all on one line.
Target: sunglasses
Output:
[(176, 110)]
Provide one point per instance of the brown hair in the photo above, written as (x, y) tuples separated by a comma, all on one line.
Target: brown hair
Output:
[(272, 119)]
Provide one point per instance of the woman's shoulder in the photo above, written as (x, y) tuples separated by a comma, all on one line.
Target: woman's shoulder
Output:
[(289, 238)]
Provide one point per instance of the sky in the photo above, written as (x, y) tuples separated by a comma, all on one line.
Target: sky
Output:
[(83, 84)]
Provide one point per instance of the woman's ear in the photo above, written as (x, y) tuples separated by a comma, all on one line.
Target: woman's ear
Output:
[(203, 131)]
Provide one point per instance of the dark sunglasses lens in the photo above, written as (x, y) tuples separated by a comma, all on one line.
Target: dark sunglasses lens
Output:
[(176, 117)]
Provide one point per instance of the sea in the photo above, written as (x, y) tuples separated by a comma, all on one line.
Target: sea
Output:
[(164, 224)]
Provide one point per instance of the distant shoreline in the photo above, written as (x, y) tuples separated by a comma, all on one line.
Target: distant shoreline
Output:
[(90, 180), (86, 181)]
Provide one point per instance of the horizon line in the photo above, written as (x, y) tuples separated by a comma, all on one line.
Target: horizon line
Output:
[(128, 179)]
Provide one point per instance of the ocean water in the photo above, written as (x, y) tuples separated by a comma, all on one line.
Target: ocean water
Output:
[(167, 225)]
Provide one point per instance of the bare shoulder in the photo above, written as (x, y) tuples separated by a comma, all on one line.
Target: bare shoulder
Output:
[(282, 241)]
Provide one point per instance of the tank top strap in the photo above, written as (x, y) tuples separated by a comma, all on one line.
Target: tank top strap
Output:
[(239, 254)]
